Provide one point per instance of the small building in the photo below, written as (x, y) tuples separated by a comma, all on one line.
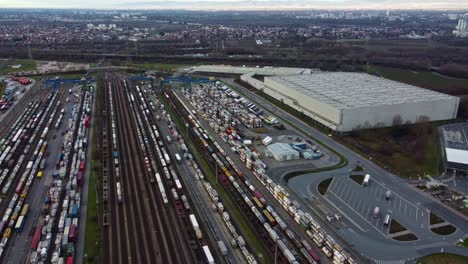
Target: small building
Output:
[(267, 140), (281, 152)]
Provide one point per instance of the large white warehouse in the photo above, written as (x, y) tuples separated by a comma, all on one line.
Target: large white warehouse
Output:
[(345, 101)]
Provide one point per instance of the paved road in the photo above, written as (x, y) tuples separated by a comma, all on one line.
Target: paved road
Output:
[(370, 243)]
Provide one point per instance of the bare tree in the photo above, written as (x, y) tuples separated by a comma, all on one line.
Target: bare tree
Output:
[(397, 120)]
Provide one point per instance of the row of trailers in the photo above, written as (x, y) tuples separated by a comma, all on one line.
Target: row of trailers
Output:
[(259, 216), (323, 240)]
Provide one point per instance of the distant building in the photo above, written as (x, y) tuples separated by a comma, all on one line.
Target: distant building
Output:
[(461, 30), (281, 152), (455, 145)]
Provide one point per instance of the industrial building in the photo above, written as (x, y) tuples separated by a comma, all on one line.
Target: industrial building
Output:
[(455, 144), (239, 70), (281, 152), (345, 101)]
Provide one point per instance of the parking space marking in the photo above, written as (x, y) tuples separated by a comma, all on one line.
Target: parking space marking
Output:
[(359, 204), (365, 219), (396, 194)]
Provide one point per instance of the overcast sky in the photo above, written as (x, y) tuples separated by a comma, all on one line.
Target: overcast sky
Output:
[(238, 4)]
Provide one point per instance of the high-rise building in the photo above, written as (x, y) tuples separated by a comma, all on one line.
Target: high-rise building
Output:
[(461, 30)]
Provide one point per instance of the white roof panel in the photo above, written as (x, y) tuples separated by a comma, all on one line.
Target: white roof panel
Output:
[(344, 90), (457, 155)]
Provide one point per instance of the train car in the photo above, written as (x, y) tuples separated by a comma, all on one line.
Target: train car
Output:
[(268, 216), (20, 224), (36, 237), (72, 233), (208, 255), (313, 254), (3, 224), (82, 166), (19, 187), (70, 260), (79, 178), (25, 210), (257, 202)]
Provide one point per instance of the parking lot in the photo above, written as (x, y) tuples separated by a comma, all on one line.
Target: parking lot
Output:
[(362, 200)]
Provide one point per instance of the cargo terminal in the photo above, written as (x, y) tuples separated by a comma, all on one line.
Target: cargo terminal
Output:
[(346, 101)]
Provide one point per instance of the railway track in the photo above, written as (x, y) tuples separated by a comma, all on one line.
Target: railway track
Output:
[(174, 215), (141, 229)]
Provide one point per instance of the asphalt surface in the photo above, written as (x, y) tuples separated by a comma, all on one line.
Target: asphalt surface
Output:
[(409, 206)]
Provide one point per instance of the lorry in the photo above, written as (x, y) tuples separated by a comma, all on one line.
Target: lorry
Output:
[(376, 212), (388, 195), (365, 182)]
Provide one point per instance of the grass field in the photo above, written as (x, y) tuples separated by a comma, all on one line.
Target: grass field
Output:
[(93, 232), (425, 79), (358, 178), (27, 65), (443, 258), (394, 148), (232, 208), (395, 227), (435, 219), (2, 88), (444, 230), (323, 186)]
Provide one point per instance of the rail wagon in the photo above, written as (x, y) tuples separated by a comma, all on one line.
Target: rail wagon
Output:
[(269, 217), (36, 237), (257, 202)]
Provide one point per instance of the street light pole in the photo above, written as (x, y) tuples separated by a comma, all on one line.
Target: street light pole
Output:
[(276, 249)]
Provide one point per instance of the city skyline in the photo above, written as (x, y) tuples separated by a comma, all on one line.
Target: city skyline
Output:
[(242, 4)]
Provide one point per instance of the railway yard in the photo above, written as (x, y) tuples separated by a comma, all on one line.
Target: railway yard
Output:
[(43, 163), (183, 175)]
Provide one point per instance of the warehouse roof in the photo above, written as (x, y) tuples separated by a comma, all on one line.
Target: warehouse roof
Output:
[(255, 70), (280, 149), (457, 155), (352, 90)]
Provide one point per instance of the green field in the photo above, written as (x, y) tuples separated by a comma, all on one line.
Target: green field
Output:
[(323, 186), (5, 66), (425, 79), (93, 232), (2, 88), (394, 148), (443, 258)]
